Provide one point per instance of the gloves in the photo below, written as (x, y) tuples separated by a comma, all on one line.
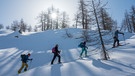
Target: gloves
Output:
[(31, 59), (59, 51)]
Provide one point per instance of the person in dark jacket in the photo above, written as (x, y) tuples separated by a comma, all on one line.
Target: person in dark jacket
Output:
[(84, 48), (116, 38), (56, 54), (24, 63)]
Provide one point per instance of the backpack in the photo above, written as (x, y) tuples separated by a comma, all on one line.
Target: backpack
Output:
[(53, 50), (80, 45), (23, 57)]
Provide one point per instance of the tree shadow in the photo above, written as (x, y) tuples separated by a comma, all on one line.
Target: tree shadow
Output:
[(88, 71), (10, 64), (127, 66), (99, 64)]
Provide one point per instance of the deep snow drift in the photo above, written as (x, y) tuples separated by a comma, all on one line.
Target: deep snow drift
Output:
[(121, 63)]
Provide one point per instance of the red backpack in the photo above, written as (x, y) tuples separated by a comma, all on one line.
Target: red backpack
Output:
[(53, 50)]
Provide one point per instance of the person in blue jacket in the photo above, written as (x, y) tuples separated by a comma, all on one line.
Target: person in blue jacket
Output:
[(84, 48), (24, 62), (116, 38)]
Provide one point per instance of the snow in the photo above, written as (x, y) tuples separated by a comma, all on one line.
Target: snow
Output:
[(121, 62)]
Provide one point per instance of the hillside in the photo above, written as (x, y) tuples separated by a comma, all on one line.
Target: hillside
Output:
[(121, 63)]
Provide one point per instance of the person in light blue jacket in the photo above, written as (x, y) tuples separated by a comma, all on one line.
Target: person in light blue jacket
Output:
[(84, 48)]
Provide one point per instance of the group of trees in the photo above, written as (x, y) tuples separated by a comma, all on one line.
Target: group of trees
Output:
[(20, 26), (50, 19), (85, 16), (53, 19), (128, 23)]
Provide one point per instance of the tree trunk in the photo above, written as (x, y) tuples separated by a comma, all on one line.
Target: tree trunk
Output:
[(102, 43)]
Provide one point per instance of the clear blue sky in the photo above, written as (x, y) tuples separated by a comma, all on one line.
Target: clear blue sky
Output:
[(117, 8), (11, 10)]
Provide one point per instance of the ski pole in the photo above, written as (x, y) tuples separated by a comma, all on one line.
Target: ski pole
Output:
[(30, 64), (124, 39)]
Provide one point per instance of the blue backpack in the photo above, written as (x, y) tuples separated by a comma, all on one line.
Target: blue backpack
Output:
[(23, 57), (80, 45)]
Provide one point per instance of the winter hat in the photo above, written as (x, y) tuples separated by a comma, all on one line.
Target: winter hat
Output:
[(56, 45), (84, 42), (28, 54)]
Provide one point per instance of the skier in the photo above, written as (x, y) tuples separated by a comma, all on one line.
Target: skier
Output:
[(56, 53), (24, 60), (116, 38), (83, 46)]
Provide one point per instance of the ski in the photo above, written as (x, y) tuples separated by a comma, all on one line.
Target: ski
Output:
[(58, 63), (120, 45), (83, 58)]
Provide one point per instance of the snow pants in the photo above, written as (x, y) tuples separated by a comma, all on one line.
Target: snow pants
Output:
[(56, 55), (84, 50), (116, 40), (23, 65)]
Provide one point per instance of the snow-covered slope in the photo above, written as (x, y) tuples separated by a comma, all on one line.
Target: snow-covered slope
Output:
[(121, 63)]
